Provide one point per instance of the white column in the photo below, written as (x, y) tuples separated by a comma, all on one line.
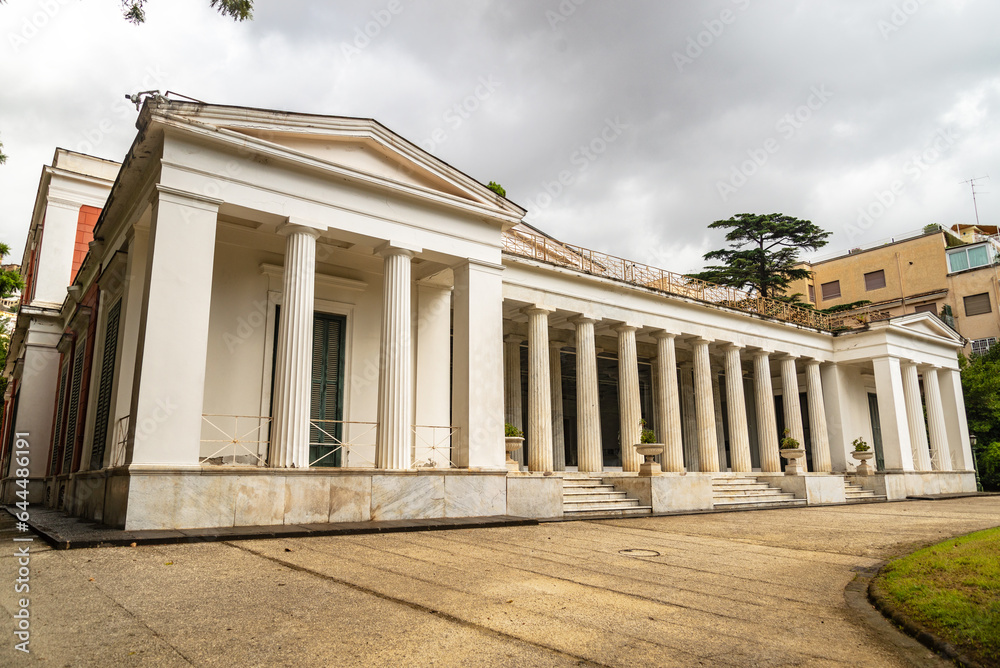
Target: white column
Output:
[(708, 444), (589, 456), (790, 400), (688, 419), (669, 431), (767, 424), (915, 417), (629, 406), (817, 418), (477, 367), (558, 435), (395, 378), (512, 393), (956, 422), (293, 360), (720, 425), (841, 429), (168, 386), (936, 421), (892, 414), (739, 435), (539, 434)]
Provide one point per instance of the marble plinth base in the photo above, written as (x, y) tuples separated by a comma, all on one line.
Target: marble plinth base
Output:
[(897, 485), (534, 495), (815, 488), (668, 492)]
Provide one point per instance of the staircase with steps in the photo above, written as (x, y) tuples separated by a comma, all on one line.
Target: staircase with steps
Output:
[(736, 492), (590, 496), (856, 492)]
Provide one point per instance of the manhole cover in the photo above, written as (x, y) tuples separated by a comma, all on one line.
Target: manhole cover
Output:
[(635, 552)]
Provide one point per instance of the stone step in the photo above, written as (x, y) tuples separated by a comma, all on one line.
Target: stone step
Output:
[(746, 485), (600, 503), (597, 484), (584, 496), (770, 491), (735, 498), (760, 503), (609, 512)]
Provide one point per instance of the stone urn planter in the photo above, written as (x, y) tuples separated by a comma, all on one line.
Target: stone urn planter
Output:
[(649, 467), (793, 455), (512, 445), (864, 468)]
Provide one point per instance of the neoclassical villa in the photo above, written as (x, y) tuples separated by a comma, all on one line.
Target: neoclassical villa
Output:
[(279, 318)]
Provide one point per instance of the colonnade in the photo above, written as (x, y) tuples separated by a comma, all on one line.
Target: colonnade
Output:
[(704, 437)]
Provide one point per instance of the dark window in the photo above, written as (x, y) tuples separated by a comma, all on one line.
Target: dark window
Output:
[(57, 427), (812, 293), (926, 308), (977, 304), (104, 391), (74, 408), (327, 403), (830, 290), (875, 280)]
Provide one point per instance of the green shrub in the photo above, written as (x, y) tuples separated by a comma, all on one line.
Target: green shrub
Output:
[(989, 466)]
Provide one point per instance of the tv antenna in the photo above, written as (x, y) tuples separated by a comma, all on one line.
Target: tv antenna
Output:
[(972, 184)]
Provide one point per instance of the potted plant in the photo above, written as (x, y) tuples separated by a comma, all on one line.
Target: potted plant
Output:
[(862, 453), (793, 452), (648, 448), (514, 439)]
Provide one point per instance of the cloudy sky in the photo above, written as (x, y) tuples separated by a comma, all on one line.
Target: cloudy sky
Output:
[(622, 126)]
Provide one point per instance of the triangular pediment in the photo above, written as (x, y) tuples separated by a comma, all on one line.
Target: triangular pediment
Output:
[(927, 324), (364, 155)]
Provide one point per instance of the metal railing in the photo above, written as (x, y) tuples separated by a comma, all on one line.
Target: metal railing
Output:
[(537, 247), (118, 446), (348, 439), (432, 446), (239, 440)]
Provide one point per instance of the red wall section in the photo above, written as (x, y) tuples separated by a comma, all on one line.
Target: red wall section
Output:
[(84, 235)]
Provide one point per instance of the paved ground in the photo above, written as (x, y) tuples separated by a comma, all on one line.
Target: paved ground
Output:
[(732, 589)]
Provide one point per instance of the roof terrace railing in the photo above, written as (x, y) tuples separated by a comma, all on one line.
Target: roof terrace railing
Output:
[(537, 247)]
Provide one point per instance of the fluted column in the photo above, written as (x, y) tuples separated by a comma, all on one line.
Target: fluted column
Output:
[(539, 433), (629, 406), (790, 400), (512, 411), (669, 431), (739, 435), (915, 418), (720, 423), (767, 423), (704, 406), (395, 378), (558, 435), (935, 421), (689, 423), (817, 419), (293, 361), (589, 456)]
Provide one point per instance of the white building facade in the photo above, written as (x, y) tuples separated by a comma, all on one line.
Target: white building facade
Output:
[(288, 319)]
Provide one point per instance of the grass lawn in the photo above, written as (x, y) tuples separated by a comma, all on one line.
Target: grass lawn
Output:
[(953, 590)]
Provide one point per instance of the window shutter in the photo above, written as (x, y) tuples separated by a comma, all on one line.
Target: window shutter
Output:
[(74, 408), (926, 308), (104, 392), (60, 405), (977, 304), (831, 290), (812, 293), (875, 280)]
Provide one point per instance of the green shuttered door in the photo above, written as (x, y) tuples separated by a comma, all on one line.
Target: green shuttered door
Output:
[(327, 389)]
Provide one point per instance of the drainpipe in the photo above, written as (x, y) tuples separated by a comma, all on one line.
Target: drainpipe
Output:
[(899, 273)]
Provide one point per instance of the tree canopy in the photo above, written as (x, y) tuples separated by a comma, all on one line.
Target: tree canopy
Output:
[(238, 10), (497, 188), (981, 389), (3, 158), (763, 252)]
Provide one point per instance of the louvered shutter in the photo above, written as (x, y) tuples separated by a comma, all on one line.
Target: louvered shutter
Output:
[(104, 391), (57, 433), (327, 391), (977, 304), (74, 408)]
